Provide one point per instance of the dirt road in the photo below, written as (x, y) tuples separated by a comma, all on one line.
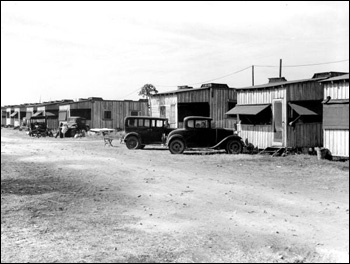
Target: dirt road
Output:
[(75, 200)]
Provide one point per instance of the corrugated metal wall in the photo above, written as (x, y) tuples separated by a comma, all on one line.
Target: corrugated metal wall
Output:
[(260, 136), (338, 90), (337, 141), (305, 135), (219, 106)]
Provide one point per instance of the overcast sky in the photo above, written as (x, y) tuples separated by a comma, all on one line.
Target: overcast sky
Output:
[(71, 50)]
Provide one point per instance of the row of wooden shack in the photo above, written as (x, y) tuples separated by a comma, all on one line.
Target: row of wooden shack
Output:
[(303, 113), (98, 113)]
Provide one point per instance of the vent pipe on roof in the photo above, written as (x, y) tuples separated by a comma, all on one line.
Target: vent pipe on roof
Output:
[(184, 87), (277, 79)]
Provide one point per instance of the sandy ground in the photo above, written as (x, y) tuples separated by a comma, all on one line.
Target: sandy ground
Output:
[(75, 200)]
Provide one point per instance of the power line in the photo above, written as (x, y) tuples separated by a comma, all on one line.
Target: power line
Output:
[(208, 80), (302, 65)]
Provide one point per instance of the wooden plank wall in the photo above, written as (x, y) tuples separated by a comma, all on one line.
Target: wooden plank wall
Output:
[(219, 106), (337, 90), (259, 135), (305, 135), (305, 91), (337, 141), (119, 110), (260, 96)]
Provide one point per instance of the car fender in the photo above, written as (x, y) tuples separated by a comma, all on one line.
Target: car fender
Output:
[(131, 134), (172, 137), (226, 139)]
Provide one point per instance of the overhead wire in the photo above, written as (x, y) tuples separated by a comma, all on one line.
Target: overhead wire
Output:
[(283, 66)]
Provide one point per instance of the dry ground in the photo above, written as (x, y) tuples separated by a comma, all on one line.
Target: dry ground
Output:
[(75, 200)]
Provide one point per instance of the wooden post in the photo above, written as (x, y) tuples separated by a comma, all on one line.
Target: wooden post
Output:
[(280, 68), (252, 75)]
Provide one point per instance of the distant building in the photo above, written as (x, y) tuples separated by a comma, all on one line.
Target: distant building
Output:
[(101, 113), (211, 100)]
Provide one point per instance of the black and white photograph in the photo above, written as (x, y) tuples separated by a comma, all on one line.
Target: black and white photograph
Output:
[(175, 132)]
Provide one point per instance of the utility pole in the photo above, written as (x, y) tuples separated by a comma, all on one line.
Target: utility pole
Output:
[(280, 68), (252, 75)]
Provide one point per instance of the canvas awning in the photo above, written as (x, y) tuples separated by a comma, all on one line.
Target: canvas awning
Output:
[(302, 110), (14, 114), (37, 113), (247, 109), (49, 114)]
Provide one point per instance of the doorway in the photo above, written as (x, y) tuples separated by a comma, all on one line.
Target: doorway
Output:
[(277, 122)]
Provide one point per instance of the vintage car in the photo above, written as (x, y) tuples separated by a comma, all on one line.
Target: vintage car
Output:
[(197, 133), (145, 130), (75, 124), (38, 127)]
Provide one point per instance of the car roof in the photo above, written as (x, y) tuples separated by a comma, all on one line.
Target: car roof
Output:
[(147, 117), (198, 117)]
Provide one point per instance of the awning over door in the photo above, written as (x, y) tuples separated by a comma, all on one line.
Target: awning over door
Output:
[(37, 113), (14, 114), (247, 109), (302, 110)]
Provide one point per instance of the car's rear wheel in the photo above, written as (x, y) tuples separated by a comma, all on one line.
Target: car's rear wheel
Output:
[(177, 146), (132, 142), (233, 147)]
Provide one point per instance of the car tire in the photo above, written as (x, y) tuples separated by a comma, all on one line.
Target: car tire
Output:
[(234, 147), (142, 146), (177, 146), (132, 142)]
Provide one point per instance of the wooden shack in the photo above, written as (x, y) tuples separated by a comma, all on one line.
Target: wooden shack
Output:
[(10, 121), (282, 113), (18, 114), (336, 115), (211, 100), (3, 116), (101, 113)]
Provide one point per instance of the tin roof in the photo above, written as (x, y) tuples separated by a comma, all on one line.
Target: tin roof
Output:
[(337, 78), (203, 87), (276, 84)]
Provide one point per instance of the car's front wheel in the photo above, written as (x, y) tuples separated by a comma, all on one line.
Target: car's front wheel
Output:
[(233, 147), (132, 142), (177, 146)]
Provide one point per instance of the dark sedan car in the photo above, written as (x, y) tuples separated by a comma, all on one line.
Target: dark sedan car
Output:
[(197, 133), (145, 130)]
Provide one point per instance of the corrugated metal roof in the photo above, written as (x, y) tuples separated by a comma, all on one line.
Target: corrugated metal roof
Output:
[(301, 110), (276, 84), (337, 78), (247, 109)]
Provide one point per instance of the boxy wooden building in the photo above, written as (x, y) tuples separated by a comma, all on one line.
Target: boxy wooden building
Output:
[(282, 113), (336, 115), (211, 100), (101, 113)]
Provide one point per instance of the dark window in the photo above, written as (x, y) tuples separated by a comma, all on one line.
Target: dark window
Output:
[(162, 111), (86, 113), (313, 106), (336, 116), (134, 113), (108, 115), (262, 118)]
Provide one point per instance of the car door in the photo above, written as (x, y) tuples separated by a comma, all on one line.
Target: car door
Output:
[(156, 130)]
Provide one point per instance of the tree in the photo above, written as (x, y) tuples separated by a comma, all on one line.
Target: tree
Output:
[(148, 90)]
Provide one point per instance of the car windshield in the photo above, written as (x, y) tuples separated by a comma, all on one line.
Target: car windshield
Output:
[(198, 123)]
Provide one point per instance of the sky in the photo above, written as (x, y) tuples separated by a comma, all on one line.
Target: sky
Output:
[(71, 50)]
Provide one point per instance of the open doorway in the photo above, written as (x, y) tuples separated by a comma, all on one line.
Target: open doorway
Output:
[(192, 109)]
